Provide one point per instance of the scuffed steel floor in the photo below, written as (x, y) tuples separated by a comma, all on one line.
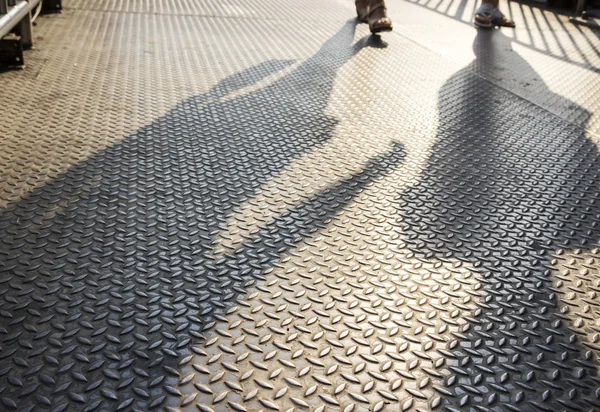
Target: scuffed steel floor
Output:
[(254, 205)]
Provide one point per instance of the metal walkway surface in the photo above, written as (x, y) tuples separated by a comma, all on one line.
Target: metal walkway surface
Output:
[(246, 205)]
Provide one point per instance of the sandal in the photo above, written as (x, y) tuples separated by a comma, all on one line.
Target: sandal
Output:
[(378, 18), (483, 16), (500, 20)]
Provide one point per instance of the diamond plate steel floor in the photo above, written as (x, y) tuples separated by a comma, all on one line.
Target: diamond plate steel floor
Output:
[(203, 210)]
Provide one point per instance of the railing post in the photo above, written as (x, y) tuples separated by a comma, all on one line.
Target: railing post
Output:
[(24, 30), (3, 7), (51, 6)]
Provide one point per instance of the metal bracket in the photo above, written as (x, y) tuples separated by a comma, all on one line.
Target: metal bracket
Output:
[(23, 29), (11, 51), (51, 6)]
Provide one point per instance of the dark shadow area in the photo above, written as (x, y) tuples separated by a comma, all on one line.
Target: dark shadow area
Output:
[(548, 37), (108, 272), (507, 186), (377, 42)]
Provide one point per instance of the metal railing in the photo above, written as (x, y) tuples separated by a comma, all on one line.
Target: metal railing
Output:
[(15, 16)]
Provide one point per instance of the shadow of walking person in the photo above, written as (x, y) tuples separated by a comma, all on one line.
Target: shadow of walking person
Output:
[(511, 195), (108, 271)]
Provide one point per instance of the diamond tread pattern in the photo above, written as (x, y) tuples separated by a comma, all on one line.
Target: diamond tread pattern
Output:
[(312, 228)]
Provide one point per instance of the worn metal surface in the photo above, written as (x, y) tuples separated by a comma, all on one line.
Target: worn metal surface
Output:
[(203, 211)]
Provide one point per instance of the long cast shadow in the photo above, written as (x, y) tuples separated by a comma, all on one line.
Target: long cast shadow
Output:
[(512, 191), (108, 271)]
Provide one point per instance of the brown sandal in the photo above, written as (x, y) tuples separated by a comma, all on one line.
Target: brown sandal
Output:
[(373, 12), (500, 20), (378, 18)]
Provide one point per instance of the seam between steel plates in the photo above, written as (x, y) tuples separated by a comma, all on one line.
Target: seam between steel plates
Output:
[(514, 93), (518, 29), (585, 129)]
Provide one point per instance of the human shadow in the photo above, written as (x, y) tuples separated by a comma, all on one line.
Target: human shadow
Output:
[(108, 272), (511, 191)]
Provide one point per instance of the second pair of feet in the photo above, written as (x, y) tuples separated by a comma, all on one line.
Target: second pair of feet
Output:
[(488, 16), (373, 12)]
